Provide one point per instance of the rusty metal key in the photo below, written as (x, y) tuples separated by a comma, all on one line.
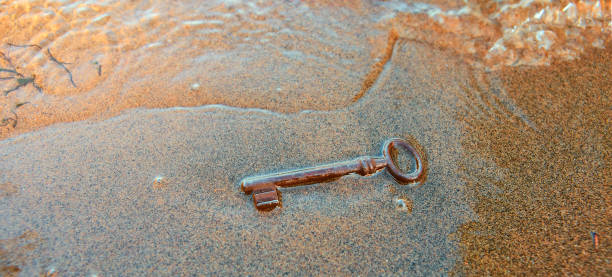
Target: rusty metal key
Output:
[(265, 188)]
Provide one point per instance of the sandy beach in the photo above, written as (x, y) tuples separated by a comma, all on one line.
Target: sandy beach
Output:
[(127, 127)]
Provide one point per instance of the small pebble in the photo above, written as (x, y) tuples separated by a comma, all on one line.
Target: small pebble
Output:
[(51, 272), (403, 205), (159, 182)]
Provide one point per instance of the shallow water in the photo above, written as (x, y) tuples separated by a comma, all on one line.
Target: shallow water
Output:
[(278, 55), (296, 84), (284, 56)]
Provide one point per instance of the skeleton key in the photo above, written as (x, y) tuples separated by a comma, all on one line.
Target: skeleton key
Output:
[(265, 188)]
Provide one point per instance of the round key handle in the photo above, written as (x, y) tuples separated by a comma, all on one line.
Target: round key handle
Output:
[(394, 170)]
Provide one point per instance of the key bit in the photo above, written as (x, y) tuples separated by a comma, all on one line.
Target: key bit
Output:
[(265, 188)]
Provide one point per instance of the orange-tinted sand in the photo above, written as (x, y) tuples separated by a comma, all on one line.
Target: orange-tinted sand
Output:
[(141, 178), (540, 178)]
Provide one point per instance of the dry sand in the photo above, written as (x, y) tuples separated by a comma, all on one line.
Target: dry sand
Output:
[(540, 170), (518, 159)]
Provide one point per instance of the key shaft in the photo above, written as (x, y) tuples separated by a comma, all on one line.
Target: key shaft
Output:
[(318, 174)]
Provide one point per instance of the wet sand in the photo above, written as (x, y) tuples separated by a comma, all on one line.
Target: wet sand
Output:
[(518, 164), (93, 201)]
